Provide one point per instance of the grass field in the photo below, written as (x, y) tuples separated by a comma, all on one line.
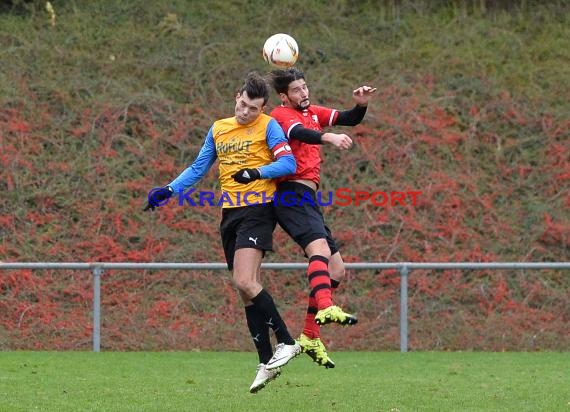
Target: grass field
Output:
[(219, 381)]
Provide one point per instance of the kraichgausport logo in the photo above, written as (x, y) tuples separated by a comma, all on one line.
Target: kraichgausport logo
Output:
[(342, 197)]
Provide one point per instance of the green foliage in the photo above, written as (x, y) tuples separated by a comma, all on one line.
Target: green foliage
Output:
[(106, 99)]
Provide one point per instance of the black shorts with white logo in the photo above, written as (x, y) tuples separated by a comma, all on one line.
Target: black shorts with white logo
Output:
[(302, 219), (247, 227)]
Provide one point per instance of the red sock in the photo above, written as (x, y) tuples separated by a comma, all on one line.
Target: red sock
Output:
[(320, 281), (311, 329)]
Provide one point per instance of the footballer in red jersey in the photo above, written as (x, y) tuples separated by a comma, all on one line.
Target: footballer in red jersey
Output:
[(303, 125)]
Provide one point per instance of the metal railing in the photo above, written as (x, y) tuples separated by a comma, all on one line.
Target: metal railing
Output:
[(404, 268)]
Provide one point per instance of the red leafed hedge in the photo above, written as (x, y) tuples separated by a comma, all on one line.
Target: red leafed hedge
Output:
[(76, 195)]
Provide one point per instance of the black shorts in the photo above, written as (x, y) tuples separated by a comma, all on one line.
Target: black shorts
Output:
[(302, 219), (247, 227)]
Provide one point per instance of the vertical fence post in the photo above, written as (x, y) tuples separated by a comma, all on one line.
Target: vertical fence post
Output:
[(97, 271), (404, 308)]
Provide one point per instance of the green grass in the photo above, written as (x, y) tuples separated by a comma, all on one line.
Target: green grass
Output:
[(219, 381)]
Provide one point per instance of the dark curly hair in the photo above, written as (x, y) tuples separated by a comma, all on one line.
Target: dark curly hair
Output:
[(281, 78)]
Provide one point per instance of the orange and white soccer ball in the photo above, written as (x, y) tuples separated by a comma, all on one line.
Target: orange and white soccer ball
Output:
[(281, 50)]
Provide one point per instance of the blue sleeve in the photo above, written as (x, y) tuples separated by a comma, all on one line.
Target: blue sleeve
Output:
[(198, 168), (284, 165), (274, 134)]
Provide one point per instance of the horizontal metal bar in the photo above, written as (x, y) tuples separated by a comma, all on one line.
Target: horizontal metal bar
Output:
[(403, 267), (282, 266)]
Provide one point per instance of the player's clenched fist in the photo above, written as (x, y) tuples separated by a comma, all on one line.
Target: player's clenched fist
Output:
[(158, 197), (246, 175)]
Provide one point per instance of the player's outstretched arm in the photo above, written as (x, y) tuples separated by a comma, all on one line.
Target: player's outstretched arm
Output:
[(190, 176), (354, 116)]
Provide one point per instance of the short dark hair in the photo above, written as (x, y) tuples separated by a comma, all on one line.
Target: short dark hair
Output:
[(256, 86), (281, 78)]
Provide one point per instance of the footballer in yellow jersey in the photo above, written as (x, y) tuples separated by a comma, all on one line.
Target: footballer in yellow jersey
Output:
[(252, 150)]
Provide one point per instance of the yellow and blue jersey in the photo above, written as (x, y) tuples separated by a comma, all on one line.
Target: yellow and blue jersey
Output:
[(261, 144)]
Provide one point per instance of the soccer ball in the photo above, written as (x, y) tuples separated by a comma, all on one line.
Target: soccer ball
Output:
[(281, 50)]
